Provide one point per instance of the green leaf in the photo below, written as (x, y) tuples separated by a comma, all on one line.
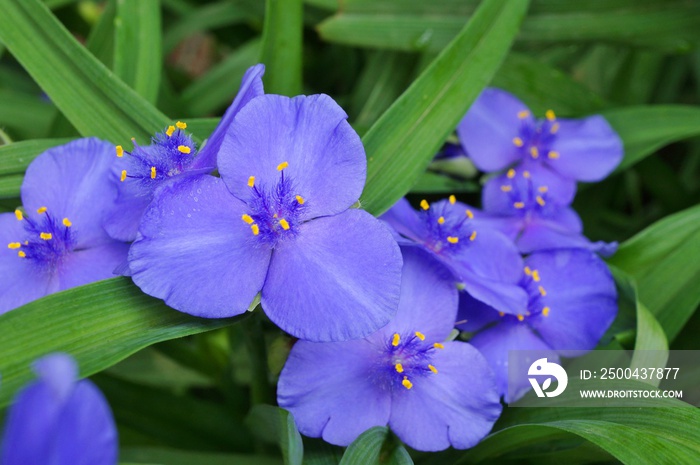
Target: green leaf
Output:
[(276, 426), (10, 186), (88, 94), (663, 261), (402, 142), (24, 115), (180, 457), (434, 183), (281, 46), (376, 447), (137, 46), (98, 324), (15, 157)]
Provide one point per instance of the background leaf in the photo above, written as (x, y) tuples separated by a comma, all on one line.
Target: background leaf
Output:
[(376, 446)]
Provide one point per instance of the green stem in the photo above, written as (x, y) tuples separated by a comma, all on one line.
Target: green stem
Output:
[(260, 388)]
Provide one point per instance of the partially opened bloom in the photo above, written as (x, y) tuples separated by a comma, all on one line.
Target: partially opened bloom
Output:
[(279, 222), (483, 259), (172, 154), (58, 241), (59, 420), (433, 394), (572, 302), (499, 132)]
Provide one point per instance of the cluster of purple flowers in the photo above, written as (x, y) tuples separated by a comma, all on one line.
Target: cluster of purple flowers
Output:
[(375, 302)]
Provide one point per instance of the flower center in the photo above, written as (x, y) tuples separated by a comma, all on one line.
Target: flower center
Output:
[(46, 239), (449, 226), (532, 283), (408, 357), (535, 137), (274, 212), (524, 196)]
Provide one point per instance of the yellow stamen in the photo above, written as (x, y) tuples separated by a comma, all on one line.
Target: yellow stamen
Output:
[(123, 176), (542, 291), (453, 199), (545, 311), (184, 149), (67, 223), (282, 166), (501, 314), (424, 204), (395, 340), (523, 114), (553, 155), (519, 205), (517, 141), (399, 368), (420, 335), (506, 188), (433, 369), (528, 271), (46, 236), (21, 254), (473, 236), (256, 230), (550, 115), (437, 345), (120, 151), (153, 172), (526, 174), (248, 219), (452, 239), (19, 215), (540, 201), (470, 215), (41, 210), (284, 224), (14, 245), (511, 173), (300, 199), (555, 128), (521, 317), (536, 276), (441, 220), (406, 383), (251, 181), (534, 152), (181, 125), (543, 189), (170, 130)]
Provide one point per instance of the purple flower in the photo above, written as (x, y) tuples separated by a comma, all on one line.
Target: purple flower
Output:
[(433, 394), (499, 132), (524, 209), (58, 241), (58, 420), (276, 222), (172, 154), (484, 260), (572, 302)]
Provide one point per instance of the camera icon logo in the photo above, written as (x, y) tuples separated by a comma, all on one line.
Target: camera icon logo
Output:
[(542, 367)]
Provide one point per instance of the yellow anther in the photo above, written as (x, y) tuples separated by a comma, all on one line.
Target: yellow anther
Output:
[(120, 151), (170, 130), (534, 152), (181, 125), (14, 245), (123, 176), (542, 291), (545, 311), (406, 383), (251, 181), (549, 114), (424, 204), (517, 141), (521, 317), (523, 114), (67, 223), (432, 368), (528, 271), (19, 215), (184, 149), (21, 254), (256, 230), (473, 236), (511, 173), (540, 201), (506, 188), (248, 219), (437, 345), (536, 276), (501, 314), (526, 174), (153, 172), (441, 220), (46, 236), (554, 128), (519, 205), (284, 224), (395, 340), (543, 189), (420, 335), (453, 199), (41, 210), (282, 166), (452, 239), (300, 199), (553, 155), (470, 215), (399, 368)]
